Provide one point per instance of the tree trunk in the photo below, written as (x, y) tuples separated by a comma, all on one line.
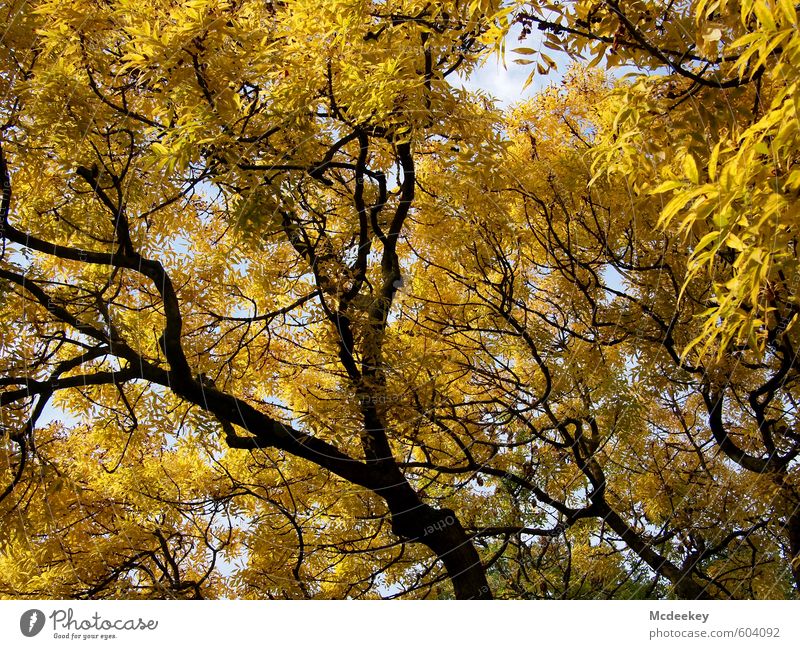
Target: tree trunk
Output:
[(793, 532), (442, 532), (455, 549), (685, 586)]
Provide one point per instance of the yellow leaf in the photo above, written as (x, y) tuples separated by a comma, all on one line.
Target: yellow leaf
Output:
[(690, 168)]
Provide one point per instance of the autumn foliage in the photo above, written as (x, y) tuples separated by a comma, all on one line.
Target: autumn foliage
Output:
[(287, 312)]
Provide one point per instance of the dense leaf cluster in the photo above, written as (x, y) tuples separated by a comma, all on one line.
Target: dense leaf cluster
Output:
[(287, 312)]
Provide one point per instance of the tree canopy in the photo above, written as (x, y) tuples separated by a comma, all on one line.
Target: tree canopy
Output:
[(287, 312)]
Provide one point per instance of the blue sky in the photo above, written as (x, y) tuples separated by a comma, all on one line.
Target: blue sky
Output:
[(506, 82)]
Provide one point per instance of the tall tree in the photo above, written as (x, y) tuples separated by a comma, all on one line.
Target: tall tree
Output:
[(705, 131), (288, 313)]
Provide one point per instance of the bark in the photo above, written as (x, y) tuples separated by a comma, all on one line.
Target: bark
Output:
[(442, 532), (793, 532), (685, 586)]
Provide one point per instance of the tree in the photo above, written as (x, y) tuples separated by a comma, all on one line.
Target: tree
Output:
[(710, 126), (290, 314)]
